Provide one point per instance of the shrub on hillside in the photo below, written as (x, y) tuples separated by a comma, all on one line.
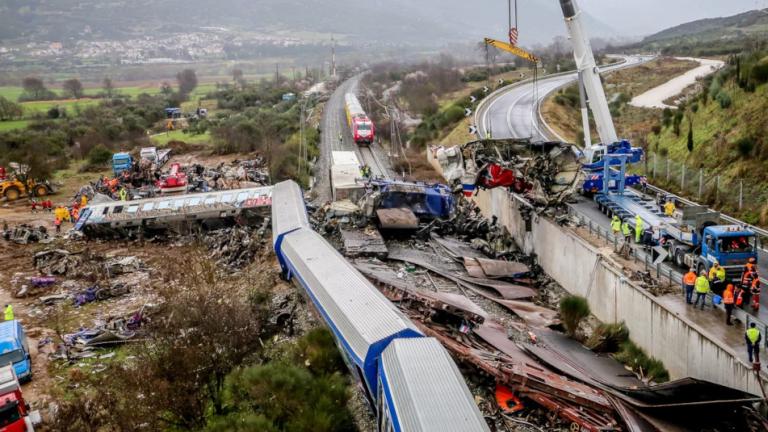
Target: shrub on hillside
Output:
[(724, 99), (760, 72), (745, 146), (99, 155)]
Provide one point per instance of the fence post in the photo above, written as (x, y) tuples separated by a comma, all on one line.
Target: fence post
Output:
[(682, 181), (741, 193), (701, 180)]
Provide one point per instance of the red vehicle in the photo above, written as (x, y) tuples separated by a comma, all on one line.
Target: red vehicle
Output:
[(3, 174), (363, 131), (14, 411), (175, 181)]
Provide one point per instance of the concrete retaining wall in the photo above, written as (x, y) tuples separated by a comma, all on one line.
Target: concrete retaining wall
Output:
[(585, 270)]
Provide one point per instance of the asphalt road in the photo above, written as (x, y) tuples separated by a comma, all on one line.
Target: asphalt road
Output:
[(510, 112)]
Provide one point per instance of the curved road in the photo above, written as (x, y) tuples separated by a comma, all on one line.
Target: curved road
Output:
[(510, 112)]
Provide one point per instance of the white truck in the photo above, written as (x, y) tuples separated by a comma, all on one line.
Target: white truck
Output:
[(157, 157)]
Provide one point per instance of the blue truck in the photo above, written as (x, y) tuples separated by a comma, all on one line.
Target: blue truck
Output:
[(691, 238), (14, 349), (121, 162)]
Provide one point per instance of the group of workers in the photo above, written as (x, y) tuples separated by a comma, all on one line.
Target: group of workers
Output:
[(63, 214), (740, 294), (746, 292)]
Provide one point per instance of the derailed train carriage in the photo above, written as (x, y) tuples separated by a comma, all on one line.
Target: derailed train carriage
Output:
[(409, 379)]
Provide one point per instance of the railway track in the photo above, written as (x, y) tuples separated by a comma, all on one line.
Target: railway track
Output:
[(369, 157)]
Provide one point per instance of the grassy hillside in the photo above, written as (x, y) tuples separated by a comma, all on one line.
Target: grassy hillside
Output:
[(713, 36), (729, 117)]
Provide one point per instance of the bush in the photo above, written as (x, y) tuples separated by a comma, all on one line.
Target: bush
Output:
[(573, 309), (649, 367), (608, 337), (760, 72), (99, 155), (745, 146), (724, 99)]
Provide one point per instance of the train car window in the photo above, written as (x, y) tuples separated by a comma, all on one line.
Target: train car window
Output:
[(162, 205), (210, 199), (194, 201), (242, 196), (148, 206), (179, 203), (117, 209), (133, 208), (227, 198)]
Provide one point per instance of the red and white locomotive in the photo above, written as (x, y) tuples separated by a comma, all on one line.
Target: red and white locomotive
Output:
[(361, 126)]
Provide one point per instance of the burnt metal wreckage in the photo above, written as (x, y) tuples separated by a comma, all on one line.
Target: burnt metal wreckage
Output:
[(545, 173)]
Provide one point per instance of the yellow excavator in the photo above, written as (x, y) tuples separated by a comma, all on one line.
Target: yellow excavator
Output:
[(14, 187)]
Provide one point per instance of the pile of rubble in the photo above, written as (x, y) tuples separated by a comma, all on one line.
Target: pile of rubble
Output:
[(235, 175), (236, 247), (84, 264), (25, 234)]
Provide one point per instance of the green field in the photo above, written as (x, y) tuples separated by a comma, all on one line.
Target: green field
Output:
[(13, 124), (177, 135), (73, 105)]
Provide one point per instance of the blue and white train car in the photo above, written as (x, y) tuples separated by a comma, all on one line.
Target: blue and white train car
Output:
[(365, 324), (421, 389)]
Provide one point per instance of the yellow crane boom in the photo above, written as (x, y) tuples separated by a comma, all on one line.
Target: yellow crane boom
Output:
[(512, 49)]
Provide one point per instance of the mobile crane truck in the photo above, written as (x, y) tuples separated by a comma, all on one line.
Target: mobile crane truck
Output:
[(693, 237)]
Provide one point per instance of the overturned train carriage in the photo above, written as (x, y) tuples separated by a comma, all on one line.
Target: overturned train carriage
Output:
[(372, 334), (179, 213)]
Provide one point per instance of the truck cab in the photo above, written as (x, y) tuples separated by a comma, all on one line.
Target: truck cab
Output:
[(121, 162), (730, 245), (14, 410), (14, 349)]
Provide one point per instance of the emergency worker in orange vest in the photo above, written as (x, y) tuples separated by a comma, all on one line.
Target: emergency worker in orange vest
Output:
[(689, 280)]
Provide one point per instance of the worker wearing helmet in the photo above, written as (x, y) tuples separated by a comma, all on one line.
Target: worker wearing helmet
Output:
[(702, 288), (717, 278), (616, 225), (639, 228)]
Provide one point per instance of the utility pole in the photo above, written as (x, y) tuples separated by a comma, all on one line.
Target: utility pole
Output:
[(277, 73), (333, 57)]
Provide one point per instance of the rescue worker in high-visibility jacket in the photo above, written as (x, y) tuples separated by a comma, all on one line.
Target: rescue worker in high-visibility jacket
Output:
[(728, 301), (717, 278), (669, 208), (753, 337), (689, 281), (616, 225), (702, 288), (639, 227), (8, 312)]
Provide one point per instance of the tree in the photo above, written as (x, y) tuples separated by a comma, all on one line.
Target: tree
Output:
[(108, 87), (166, 89), (74, 88), (187, 80), (238, 77), (34, 87), (690, 135), (9, 110)]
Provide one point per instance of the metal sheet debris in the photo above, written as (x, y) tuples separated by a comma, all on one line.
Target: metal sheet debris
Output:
[(488, 268), (532, 314), (363, 242), (397, 218), (455, 272)]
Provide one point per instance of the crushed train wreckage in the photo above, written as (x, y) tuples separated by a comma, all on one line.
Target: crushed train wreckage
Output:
[(207, 210), (546, 173)]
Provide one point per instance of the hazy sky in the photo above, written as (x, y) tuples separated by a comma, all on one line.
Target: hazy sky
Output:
[(643, 17)]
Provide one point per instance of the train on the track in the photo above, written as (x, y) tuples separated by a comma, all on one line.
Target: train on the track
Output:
[(362, 128), (410, 380)]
